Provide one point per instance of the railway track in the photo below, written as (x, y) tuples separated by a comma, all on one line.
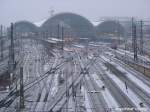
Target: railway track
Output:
[(99, 104), (97, 100), (133, 72), (143, 95), (120, 97), (9, 101), (44, 89)]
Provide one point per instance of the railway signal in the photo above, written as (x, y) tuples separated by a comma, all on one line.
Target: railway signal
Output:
[(141, 37), (1, 35), (134, 39), (21, 89), (11, 62)]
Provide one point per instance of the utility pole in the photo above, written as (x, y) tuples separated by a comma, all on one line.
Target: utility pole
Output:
[(58, 31), (2, 49), (134, 39), (1, 31), (67, 94), (141, 37), (87, 44), (21, 89), (117, 33), (125, 52), (62, 38), (12, 46), (11, 61)]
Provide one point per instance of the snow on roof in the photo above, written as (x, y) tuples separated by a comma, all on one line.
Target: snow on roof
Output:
[(96, 23), (80, 46), (95, 45), (55, 39), (39, 23), (51, 41)]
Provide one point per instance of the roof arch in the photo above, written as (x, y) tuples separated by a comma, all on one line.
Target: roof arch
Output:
[(25, 27), (110, 27), (81, 26)]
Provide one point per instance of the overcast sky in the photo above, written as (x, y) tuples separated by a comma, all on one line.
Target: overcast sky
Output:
[(37, 10)]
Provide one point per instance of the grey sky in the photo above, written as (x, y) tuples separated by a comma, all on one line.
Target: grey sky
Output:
[(36, 10)]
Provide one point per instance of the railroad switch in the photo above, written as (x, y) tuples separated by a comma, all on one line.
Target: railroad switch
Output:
[(84, 71)]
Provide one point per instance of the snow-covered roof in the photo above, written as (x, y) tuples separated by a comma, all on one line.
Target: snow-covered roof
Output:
[(51, 41), (55, 39), (39, 23), (95, 23), (77, 45)]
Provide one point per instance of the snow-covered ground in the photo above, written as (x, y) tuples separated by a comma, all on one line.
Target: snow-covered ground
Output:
[(87, 100), (55, 85), (110, 100), (130, 75), (129, 92), (134, 79)]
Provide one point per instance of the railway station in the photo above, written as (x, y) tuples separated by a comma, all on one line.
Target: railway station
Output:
[(68, 62)]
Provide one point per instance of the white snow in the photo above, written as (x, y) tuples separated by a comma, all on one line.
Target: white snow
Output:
[(110, 100), (134, 79), (131, 95), (80, 46), (55, 39), (68, 49), (71, 105), (95, 45), (40, 106), (55, 85), (90, 56), (39, 23), (130, 54), (96, 23), (46, 67), (87, 101), (134, 98), (106, 59), (52, 41)]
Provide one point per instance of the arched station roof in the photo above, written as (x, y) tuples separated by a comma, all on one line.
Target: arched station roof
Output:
[(80, 26), (110, 27), (25, 26)]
